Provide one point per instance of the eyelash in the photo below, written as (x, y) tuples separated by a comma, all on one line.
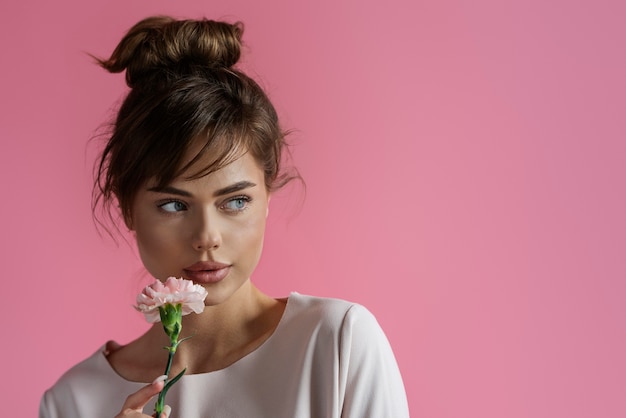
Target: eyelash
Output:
[(167, 202), (244, 198)]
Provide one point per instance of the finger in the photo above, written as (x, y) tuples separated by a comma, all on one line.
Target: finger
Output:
[(139, 399), (166, 412)]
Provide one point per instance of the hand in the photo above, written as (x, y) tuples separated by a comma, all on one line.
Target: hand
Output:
[(133, 407)]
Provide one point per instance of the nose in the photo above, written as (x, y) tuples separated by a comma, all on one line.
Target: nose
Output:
[(206, 234)]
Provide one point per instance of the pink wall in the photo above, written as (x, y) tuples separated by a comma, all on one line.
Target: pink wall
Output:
[(465, 164)]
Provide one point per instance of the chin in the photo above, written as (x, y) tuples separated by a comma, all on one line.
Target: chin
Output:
[(218, 294)]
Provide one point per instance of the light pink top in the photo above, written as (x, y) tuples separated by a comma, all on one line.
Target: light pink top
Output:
[(326, 358)]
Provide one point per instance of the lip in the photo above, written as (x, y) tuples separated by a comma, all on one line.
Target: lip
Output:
[(206, 272)]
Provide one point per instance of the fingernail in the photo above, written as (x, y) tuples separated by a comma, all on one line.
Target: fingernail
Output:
[(166, 411), (159, 379)]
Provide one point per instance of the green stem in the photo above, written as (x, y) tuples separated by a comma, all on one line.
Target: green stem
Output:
[(170, 358), (160, 404), (171, 318)]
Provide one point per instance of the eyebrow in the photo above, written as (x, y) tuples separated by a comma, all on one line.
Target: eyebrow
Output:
[(240, 185)]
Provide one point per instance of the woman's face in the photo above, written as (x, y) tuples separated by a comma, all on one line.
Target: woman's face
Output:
[(209, 230)]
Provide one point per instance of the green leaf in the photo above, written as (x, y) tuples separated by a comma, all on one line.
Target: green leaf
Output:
[(174, 380)]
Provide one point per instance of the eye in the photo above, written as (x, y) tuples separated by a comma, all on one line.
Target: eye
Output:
[(237, 204), (173, 206)]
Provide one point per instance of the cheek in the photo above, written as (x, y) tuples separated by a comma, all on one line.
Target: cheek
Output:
[(153, 246), (250, 240)]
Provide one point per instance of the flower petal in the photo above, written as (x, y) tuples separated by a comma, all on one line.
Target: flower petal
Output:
[(174, 291)]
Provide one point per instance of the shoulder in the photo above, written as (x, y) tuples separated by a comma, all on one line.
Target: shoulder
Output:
[(82, 372), (77, 387), (65, 389), (327, 312), (339, 320), (347, 337), (306, 305)]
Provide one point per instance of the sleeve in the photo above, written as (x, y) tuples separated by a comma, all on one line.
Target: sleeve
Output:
[(46, 406), (369, 374)]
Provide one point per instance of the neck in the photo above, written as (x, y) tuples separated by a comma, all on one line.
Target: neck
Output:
[(224, 333)]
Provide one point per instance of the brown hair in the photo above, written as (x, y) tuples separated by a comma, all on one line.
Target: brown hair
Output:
[(183, 87)]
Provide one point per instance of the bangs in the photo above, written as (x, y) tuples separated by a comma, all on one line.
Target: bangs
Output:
[(214, 134), (218, 147)]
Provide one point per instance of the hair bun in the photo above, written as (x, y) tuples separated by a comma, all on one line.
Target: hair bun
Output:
[(162, 43)]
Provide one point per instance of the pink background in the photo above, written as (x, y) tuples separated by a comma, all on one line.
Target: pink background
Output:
[(465, 167)]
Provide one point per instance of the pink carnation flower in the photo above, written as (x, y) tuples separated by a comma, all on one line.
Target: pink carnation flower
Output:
[(173, 291)]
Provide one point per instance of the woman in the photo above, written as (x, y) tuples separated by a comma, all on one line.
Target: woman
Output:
[(191, 163)]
